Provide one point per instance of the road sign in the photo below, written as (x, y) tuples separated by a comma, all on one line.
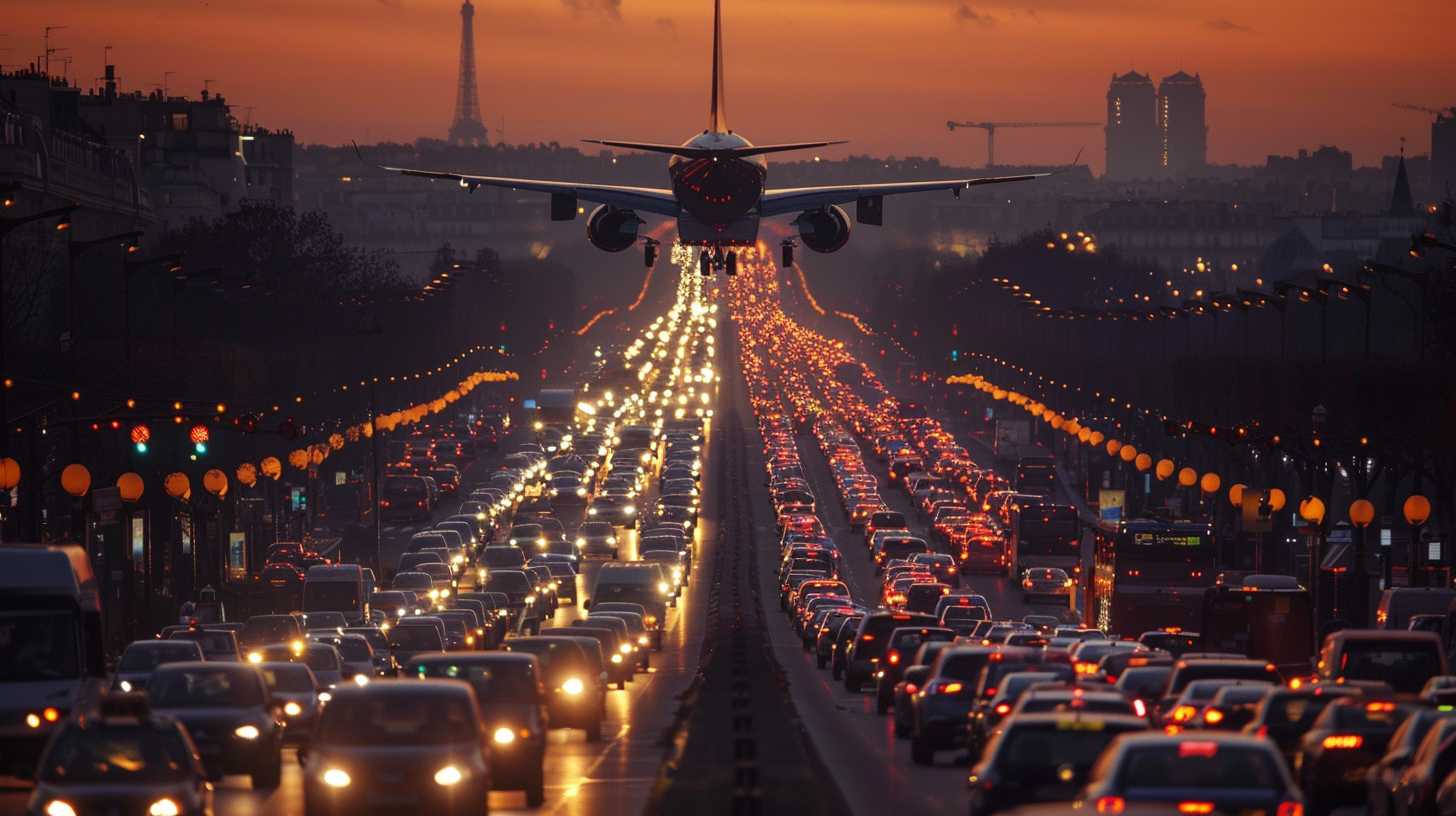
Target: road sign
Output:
[(1255, 515)]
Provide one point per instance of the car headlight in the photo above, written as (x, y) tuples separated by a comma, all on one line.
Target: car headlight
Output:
[(504, 736), (502, 613), (611, 539), (530, 599), (663, 587), (449, 775), (629, 510), (625, 648), (335, 778), (296, 646), (361, 680), (591, 511), (541, 542), (580, 542), (573, 686), (641, 640), (617, 658), (324, 697), (247, 732), (124, 685), (163, 807), (292, 709), (59, 807), (581, 491)]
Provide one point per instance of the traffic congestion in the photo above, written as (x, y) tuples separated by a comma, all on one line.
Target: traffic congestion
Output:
[(956, 633)]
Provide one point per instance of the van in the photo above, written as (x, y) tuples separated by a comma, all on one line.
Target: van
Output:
[(336, 588), (1399, 604), (868, 646), (1404, 661), (638, 582)]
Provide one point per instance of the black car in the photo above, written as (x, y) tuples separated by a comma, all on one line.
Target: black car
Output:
[(126, 760), (294, 686), (512, 702), (142, 657), (1221, 773), (1042, 758), (235, 724), (433, 757)]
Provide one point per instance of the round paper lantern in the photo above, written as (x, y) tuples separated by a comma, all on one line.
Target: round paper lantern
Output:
[(271, 467), (1277, 499), (1127, 452), (298, 458), (9, 473), (1236, 494), (1187, 477), (1113, 446), (1096, 438), (76, 480), (316, 455), (1056, 423), (1312, 510), (177, 485), (1084, 434), (1210, 483), (247, 474), (1143, 462), (215, 481), (1164, 469), (1362, 512), (336, 441), (130, 486), (1417, 509)]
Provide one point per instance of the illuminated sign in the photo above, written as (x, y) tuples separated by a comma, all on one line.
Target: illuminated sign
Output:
[(1166, 539)]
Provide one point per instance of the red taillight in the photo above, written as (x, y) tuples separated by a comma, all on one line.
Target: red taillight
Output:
[(1184, 713), (1212, 716), (1289, 809), (1195, 808), (1003, 709), (948, 688), (1197, 748), (1111, 804), (384, 503), (1343, 742), (911, 688), (894, 658)]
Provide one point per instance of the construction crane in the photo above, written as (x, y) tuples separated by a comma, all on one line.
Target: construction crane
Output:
[(1437, 112), (990, 128)]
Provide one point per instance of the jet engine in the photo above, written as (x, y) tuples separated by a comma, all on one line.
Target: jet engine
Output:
[(612, 230), (825, 230)]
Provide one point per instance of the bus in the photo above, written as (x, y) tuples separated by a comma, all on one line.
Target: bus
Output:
[(52, 659), (1150, 574), (1037, 475), (1043, 535), (1267, 617)]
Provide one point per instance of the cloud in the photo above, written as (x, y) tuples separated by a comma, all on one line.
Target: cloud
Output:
[(1223, 24), (666, 25), (965, 14), (611, 9)]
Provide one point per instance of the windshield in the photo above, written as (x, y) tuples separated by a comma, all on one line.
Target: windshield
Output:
[(399, 719), (146, 658), (335, 596), (211, 642), (38, 646), (503, 682), (117, 755), (1036, 755), (416, 638), (1405, 666), (325, 659), (269, 630), (204, 688), (508, 582), (291, 678), (1199, 765)]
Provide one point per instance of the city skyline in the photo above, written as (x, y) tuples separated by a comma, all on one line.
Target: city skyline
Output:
[(617, 65)]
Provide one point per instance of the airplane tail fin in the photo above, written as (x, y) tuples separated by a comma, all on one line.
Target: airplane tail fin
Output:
[(718, 111)]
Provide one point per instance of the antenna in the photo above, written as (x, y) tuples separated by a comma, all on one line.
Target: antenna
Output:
[(718, 113), (46, 38), (166, 75)]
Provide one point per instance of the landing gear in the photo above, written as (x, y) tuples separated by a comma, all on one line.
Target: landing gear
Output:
[(649, 252), (705, 264), (788, 254), (731, 263)]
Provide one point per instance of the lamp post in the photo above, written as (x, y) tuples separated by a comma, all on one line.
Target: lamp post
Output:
[(1417, 509), (74, 250)]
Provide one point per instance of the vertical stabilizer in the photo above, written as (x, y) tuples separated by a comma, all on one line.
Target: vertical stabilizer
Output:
[(718, 113)]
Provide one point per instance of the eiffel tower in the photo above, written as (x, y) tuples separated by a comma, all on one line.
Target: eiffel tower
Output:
[(467, 129)]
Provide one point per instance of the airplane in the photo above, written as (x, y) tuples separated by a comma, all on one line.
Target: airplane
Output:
[(718, 193)]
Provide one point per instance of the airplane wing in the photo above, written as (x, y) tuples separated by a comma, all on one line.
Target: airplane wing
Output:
[(778, 202), (653, 200)]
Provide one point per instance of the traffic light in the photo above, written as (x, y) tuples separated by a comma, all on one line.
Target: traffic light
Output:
[(199, 435), (955, 355), (140, 436)]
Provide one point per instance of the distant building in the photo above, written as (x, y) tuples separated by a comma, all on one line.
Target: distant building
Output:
[(1132, 127), (1443, 153), (1182, 128)]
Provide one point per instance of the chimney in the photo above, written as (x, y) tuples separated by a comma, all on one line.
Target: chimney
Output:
[(110, 83)]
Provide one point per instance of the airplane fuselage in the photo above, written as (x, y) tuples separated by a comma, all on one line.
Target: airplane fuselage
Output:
[(718, 191)]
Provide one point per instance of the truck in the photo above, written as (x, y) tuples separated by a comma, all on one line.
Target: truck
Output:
[(555, 408), (1012, 439), (52, 659)]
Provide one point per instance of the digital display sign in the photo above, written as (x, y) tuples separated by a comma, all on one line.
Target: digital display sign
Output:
[(1167, 540)]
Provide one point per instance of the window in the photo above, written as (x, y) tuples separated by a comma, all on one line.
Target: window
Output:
[(179, 121)]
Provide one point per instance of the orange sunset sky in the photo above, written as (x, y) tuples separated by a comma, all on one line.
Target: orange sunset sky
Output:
[(885, 74)]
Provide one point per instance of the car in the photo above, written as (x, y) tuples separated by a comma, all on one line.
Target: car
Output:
[(1231, 708), (574, 681), (142, 657), (127, 759), (900, 647), (1033, 758), (636, 631), (1189, 669), (512, 702), (298, 691), (1402, 660), (415, 634), (1192, 772), (611, 635), (327, 664), (1285, 714), (1197, 697), (865, 651), (235, 724), (597, 538), (434, 757), (944, 704), (217, 644), (1347, 738), (1041, 583), (1419, 786), (636, 582), (650, 622), (1385, 775)]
